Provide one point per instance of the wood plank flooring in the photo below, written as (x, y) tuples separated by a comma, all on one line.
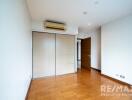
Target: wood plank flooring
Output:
[(83, 85)]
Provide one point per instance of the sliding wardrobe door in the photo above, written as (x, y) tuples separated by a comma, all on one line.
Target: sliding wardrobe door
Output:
[(65, 48), (43, 54)]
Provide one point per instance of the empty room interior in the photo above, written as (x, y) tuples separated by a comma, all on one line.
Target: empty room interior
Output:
[(66, 49)]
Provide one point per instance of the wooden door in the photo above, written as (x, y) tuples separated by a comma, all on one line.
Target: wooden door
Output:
[(43, 54), (86, 53), (65, 51)]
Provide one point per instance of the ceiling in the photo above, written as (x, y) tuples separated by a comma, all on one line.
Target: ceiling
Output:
[(83, 13)]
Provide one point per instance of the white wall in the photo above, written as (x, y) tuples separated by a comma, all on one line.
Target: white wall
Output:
[(15, 50), (39, 26), (117, 49), (95, 47)]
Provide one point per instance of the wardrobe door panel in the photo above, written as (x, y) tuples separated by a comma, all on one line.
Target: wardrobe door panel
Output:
[(65, 48), (43, 54)]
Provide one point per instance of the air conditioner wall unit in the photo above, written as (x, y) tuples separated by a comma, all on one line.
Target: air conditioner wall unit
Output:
[(54, 25)]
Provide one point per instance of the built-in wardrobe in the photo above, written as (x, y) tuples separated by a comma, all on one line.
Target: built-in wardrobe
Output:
[(53, 54)]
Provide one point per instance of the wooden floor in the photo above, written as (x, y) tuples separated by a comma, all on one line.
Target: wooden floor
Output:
[(83, 85)]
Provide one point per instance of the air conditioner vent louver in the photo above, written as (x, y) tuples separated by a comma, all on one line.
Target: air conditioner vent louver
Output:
[(54, 25)]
